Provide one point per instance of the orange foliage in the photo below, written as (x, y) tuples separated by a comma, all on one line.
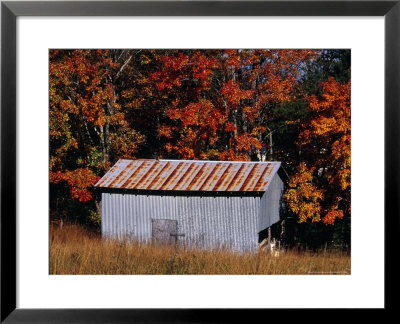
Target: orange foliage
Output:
[(207, 92), (79, 181), (87, 122), (234, 94), (323, 191)]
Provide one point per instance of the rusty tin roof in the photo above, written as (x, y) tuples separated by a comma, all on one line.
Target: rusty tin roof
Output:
[(185, 175)]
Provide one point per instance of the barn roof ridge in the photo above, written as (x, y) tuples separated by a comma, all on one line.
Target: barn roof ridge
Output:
[(218, 161), (190, 175)]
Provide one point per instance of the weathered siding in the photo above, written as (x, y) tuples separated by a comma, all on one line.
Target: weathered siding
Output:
[(270, 203), (209, 222)]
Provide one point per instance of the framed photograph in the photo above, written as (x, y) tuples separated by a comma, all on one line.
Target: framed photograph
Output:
[(191, 160)]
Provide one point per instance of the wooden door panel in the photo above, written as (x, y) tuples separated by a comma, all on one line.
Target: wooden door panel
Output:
[(162, 230)]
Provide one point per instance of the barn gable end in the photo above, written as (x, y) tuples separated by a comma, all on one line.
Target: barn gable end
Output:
[(270, 203)]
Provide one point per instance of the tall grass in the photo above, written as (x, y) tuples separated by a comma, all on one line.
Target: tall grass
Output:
[(74, 250)]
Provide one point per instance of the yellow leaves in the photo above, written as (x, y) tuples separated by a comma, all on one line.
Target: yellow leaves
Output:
[(310, 201), (212, 140), (342, 178), (55, 133), (144, 59), (117, 119), (258, 130), (323, 126), (302, 176), (305, 201), (101, 120), (292, 122), (203, 156), (326, 139), (128, 93), (251, 113), (342, 147), (211, 155), (126, 142), (135, 103), (69, 106), (304, 198)]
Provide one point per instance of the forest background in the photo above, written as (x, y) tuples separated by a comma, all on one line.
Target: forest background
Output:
[(291, 106)]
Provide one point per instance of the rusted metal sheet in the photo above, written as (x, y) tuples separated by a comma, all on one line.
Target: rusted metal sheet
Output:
[(227, 177), (139, 175), (185, 175), (201, 176), (113, 173), (255, 176), (240, 177), (188, 177), (213, 178), (151, 175), (264, 180), (175, 176), (126, 174)]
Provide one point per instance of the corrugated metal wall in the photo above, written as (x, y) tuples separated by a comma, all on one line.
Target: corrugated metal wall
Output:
[(209, 222), (271, 203)]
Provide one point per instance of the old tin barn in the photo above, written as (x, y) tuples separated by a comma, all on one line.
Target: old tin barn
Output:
[(209, 204)]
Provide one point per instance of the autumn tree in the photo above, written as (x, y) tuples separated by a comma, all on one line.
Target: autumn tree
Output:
[(87, 124), (291, 106), (320, 190), (218, 102)]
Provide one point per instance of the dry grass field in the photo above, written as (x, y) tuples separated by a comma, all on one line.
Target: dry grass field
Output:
[(74, 250)]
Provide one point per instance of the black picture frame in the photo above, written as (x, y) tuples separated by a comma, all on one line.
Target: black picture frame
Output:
[(10, 10)]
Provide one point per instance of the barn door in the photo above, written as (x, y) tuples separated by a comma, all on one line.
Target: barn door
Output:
[(162, 230)]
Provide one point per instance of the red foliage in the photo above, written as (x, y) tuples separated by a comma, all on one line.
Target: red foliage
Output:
[(80, 182), (208, 91)]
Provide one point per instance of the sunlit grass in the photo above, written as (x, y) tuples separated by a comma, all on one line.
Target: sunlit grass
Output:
[(74, 250)]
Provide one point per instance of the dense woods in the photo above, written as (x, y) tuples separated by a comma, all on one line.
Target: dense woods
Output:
[(291, 106)]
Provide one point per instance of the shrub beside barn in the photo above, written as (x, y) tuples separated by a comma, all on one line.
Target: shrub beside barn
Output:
[(209, 204)]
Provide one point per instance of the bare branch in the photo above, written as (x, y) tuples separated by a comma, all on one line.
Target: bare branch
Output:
[(122, 67)]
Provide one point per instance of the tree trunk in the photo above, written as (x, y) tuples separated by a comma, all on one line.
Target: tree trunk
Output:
[(98, 206), (282, 238), (271, 151), (103, 144)]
